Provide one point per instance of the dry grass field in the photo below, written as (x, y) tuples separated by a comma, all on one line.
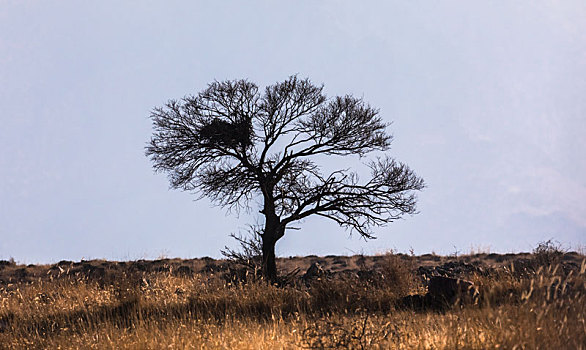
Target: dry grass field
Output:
[(523, 301)]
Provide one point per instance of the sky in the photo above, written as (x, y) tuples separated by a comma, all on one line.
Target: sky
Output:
[(486, 99)]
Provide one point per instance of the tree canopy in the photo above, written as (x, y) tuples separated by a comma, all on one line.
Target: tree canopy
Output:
[(232, 144)]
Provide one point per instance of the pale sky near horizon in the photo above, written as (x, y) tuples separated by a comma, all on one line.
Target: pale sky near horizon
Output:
[(487, 100)]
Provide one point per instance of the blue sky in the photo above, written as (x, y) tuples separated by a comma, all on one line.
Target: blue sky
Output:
[(486, 99)]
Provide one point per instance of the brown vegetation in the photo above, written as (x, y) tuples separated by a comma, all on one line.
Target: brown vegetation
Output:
[(358, 302)]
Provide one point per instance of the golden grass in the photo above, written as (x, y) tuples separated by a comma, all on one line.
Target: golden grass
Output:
[(545, 310)]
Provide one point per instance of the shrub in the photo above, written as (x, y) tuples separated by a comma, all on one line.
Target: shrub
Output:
[(547, 253)]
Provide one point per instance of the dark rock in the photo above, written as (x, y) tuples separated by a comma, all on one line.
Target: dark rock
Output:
[(424, 270), (314, 271), (140, 265), (431, 257), (92, 271), (216, 267), (98, 272), (449, 290), (20, 273), (570, 256), (416, 302), (164, 268)]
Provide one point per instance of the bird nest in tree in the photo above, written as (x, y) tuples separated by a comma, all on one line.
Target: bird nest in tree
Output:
[(227, 133)]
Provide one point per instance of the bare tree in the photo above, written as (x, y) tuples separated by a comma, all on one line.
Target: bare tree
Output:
[(233, 144)]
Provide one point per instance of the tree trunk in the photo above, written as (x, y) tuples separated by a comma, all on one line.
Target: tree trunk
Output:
[(269, 265), (272, 233)]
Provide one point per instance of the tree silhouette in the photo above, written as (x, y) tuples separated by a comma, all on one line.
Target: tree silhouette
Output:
[(233, 144)]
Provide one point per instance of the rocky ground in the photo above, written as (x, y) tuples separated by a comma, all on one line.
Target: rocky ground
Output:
[(362, 267)]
